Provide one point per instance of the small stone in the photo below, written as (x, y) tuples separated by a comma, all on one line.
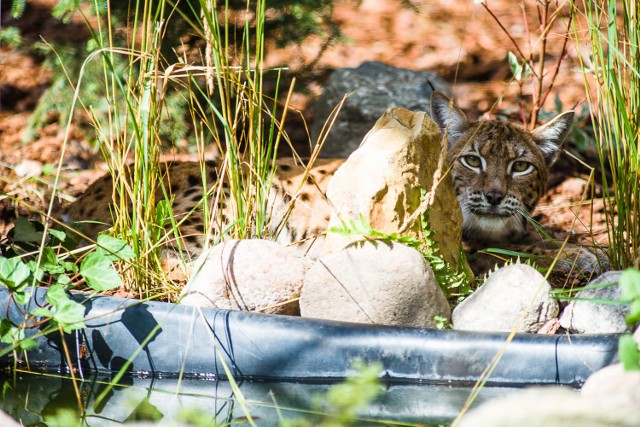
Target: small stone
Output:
[(589, 317), (247, 275), (28, 168), (515, 296), (382, 283)]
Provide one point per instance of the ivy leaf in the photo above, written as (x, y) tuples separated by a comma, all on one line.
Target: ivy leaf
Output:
[(14, 274), (25, 345), (114, 249), (99, 272), (42, 312), (628, 353), (50, 261), (25, 231), (56, 295), (630, 285), (60, 235), (70, 315), (5, 331), (21, 297), (9, 334)]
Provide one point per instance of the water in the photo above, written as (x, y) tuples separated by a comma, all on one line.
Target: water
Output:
[(33, 397)]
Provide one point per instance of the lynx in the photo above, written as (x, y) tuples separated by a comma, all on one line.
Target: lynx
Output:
[(500, 170)]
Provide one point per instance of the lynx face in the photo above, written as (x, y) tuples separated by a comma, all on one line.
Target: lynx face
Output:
[(500, 170)]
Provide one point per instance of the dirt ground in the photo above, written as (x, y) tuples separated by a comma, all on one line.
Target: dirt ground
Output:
[(460, 40)]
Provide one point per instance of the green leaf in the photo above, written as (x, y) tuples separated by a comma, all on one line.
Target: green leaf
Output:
[(70, 315), (99, 272), (36, 271), (17, 8), (14, 273), (50, 261), (633, 318), (42, 312), (162, 212), (514, 64), (21, 297), (9, 334), (26, 344), (25, 231), (5, 331), (630, 285), (60, 235), (628, 353), (113, 248), (63, 280), (56, 295)]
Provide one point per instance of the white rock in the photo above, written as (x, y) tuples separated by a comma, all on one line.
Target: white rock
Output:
[(550, 407), (374, 282), (614, 385), (589, 317), (515, 296), (248, 275)]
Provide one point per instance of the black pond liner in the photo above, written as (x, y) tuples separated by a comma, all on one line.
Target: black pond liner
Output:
[(193, 343)]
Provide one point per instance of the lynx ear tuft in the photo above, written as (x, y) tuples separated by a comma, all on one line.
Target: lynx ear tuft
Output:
[(451, 119), (551, 135)]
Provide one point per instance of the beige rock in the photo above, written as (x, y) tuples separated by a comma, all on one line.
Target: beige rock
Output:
[(248, 275), (374, 282), (614, 385), (550, 407), (382, 181), (7, 421)]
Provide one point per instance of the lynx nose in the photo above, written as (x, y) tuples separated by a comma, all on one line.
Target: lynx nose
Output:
[(494, 197)]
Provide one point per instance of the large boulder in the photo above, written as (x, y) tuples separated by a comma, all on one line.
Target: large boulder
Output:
[(382, 182), (515, 296), (585, 315), (248, 275), (372, 88), (383, 283)]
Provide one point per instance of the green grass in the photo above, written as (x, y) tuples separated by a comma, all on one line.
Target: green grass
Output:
[(228, 107), (611, 68)]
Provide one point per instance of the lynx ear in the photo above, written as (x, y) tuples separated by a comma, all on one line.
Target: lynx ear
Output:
[(551, 135), (452, 120)]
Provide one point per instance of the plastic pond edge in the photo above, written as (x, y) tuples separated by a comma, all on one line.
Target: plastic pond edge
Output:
[(193, 343)]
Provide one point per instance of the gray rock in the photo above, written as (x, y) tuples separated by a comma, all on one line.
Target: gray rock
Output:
[(589, 317), (248, 275), (373, 87), (550, 407), (515, 296), (374, 282), (614, 385)]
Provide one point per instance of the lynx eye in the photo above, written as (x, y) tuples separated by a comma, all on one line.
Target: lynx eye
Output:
[(520, 166), (472, 162)]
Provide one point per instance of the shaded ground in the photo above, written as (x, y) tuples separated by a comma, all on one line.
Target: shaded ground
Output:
[(459, 40)]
